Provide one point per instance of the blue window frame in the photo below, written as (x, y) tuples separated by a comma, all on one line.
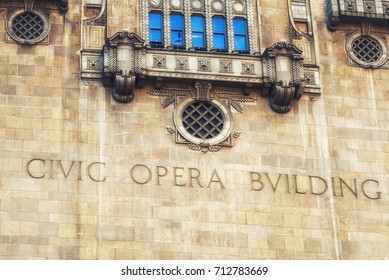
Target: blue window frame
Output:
[(177, 30), (241, 43), (156, 29), (198, 32), (219, 33)]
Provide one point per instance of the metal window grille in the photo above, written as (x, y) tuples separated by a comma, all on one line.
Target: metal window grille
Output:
[(28, 26), (367, 49), (203, 120)]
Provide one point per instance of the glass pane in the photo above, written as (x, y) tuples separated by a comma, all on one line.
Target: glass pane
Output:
[(219, 41), (176, 21), (155, 36), (155, 20), (177, 38), (198, 40), (239, 26), (218, 24), (197, 23), (240, 43)]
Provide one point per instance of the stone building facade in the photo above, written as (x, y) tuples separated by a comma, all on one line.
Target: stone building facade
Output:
[(204, 129)]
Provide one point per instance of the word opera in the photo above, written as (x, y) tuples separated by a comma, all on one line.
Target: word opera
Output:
[(142, 174)]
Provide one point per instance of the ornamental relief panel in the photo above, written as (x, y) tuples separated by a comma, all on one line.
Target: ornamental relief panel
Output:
[(202, 115)]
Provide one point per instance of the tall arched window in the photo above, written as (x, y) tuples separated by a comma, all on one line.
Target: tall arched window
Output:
[(177, 35), (241, 41), (219, 33), (198, 32), (156, 29)]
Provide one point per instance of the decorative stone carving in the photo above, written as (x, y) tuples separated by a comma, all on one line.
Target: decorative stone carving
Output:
[(159, 62), (351, 5), (369, 7), (197, 5), (121, 66), (351, 11), (176, 4), (202, 115), (239, 7), (29, 5), (217, 6), (226, 66), (181, 63), (248, 68), (204, 65), (286, 80), (203, 91)]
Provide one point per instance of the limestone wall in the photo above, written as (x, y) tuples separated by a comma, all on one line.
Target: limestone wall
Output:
[(85, 177)]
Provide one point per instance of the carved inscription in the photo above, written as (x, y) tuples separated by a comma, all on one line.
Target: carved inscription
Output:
[(177, 176), (192, 177), (61, 169), (315, 185)]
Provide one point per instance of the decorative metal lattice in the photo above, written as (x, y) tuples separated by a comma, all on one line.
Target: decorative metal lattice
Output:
[(28, 26), (203, 120), (367, 49)]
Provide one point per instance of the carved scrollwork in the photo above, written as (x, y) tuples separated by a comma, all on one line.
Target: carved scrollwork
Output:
[(123, 85), (122, 64), (281, 97), (283, 88), (204, 147)]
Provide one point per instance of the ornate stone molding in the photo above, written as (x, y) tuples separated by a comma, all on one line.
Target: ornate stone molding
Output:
[(202, 94), (28, 5), (285, 71), (122, 65), (349, 11)]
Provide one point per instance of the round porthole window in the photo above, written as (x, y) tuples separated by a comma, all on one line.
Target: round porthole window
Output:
[(203, 122), (28, 27), (367, 50)]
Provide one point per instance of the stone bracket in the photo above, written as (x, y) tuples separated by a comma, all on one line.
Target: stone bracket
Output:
[(351, 11), (286, 81), (123, 64)]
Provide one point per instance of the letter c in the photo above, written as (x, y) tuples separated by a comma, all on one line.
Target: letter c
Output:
[(29, 171), (90, 175)]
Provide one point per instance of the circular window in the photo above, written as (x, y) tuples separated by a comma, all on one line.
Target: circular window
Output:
[(368, 51), (28, 27), (203, 122)]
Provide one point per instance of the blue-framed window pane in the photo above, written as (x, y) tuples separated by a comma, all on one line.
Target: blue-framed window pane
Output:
[(156, 29), (198, 31), (177, 29), (219, 33), (240, 35)]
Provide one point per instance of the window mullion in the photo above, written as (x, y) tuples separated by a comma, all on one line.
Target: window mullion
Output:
[(146, 23), (166, 22), (250, 26), (208, 24), (230, 29), (187, 24)]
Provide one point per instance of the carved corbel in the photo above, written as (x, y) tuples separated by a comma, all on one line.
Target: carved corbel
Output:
[(285, 81), (123, 64), (203, 90)]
